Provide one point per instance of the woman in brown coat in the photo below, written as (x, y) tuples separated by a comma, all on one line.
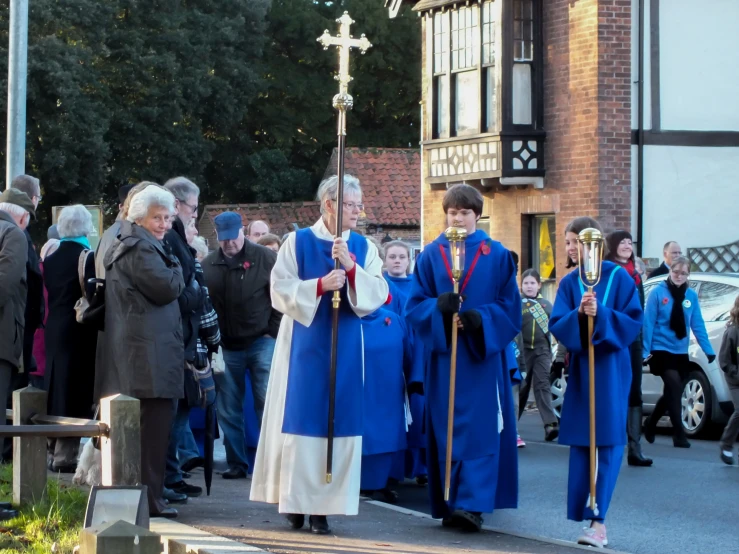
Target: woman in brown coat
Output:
[(143, 352)]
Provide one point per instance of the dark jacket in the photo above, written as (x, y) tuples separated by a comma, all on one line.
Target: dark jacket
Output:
[(13, 289), (34, 303), (143, 353), (240, 291), (533, 336), (728, 357), (192, 299), (70, 346), (661, 270)]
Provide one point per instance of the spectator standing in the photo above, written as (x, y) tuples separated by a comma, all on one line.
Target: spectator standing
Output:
[(256, 230), (621, 252), (70, 346), (191, 301), (111, 233), (237, 276), (672, 312), (270, 241), (36, 378), (728, 359), (143, 350), (671, 251)]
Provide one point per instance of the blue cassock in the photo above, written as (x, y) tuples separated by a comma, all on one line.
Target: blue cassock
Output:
[(484, 459), (617, 324), (306, 399), (415, 457), (387, 362)]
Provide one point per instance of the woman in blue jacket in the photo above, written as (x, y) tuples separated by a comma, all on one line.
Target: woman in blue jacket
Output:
[(672, 312)]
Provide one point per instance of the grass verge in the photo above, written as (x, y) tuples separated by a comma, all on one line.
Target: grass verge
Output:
[(51, 525)]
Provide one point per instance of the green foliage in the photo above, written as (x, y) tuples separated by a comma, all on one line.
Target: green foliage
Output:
[(56, 520)]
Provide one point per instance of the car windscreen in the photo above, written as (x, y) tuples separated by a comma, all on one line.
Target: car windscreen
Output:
[(716, 298)]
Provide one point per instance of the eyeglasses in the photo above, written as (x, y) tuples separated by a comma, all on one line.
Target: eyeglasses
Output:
[(352, 205), (681, 274)]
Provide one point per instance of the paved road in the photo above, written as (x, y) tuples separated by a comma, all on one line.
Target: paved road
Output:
[(687, 502)]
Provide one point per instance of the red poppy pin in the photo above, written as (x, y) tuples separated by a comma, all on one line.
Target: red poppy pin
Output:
[(388, 321), (665, 300), (389, 298), (485, 249), (247, 265)]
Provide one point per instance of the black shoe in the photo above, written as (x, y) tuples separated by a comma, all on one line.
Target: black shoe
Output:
[(6, 514), (551, 432), (296, 521), (235, 473), (680, 443), (167, 513), (649, 432), (192, 463), (173, 497), (185, 488), (319, 525), (422, 480), (66, 468), (639, 460), (6, 506), (469, 521), (728, 460)]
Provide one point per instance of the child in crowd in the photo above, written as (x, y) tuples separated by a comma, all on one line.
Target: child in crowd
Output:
[(728, 359)]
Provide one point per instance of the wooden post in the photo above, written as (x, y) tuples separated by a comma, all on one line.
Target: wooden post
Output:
[(119, 537), (29, 453), (121, 451)]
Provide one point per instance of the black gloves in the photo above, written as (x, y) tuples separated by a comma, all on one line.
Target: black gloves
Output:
[(471, 320), (557, 369), (711, 358), (415, 388), (448, 303)]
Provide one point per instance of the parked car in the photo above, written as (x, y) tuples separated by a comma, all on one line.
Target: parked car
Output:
[(705, 399)]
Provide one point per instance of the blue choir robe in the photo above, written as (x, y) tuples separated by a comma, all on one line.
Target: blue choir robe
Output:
[(414, 459), (616, 326), (290, 464), (484, 457), (388, 358)]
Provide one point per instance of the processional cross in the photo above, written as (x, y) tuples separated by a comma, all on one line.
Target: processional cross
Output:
[(342, 102)]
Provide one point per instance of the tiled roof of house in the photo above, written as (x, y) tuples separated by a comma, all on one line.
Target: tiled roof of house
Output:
[(391, 183)]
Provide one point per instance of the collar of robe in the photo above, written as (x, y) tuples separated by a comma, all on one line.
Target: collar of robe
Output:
[(323, 232)]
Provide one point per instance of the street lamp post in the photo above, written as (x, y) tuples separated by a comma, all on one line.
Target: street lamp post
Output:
[(17, 74)]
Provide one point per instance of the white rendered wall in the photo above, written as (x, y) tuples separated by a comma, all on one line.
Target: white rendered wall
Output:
[(691, 195)]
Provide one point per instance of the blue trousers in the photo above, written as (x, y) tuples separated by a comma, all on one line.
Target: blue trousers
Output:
[(257, 359), (178, 436), (578, 486)]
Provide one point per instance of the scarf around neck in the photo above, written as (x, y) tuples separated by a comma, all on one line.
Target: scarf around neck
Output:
[(84, 241), (677, 316), (630, 267)]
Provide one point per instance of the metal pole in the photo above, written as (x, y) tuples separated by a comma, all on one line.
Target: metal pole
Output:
[(17, 75)]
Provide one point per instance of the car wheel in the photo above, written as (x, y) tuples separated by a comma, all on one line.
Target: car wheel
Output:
[(695, 404), (559, 386)]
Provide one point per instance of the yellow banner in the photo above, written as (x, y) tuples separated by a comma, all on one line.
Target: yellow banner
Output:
[(546, 253)]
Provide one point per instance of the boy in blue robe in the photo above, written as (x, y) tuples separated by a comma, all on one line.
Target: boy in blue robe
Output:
[(484, 458), (618, 319), (388, 360)]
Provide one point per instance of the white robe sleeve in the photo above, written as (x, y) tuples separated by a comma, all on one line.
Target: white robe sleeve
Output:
[(290, 295), (370, 292)]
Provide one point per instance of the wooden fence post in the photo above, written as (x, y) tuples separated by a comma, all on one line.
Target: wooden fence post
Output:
[(29, 453), (121, 451)]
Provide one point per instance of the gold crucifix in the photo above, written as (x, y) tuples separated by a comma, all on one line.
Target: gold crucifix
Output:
[(345, 43)]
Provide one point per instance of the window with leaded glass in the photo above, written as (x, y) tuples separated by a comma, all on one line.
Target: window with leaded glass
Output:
[(441, 76), (490, 12), (523, 55)]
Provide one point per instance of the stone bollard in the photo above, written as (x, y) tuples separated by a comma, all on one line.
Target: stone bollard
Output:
[(119, 537), (121, 451), (29, 453)]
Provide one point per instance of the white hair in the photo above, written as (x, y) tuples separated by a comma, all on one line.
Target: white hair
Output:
[(153, 195), (12, 209), (200, 245), (74, 221), (182, 188), (329, 188)]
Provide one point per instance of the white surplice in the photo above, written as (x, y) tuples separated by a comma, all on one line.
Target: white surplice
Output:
[(290, 470)]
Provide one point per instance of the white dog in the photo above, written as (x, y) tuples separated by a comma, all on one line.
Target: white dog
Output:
[(90, 466)]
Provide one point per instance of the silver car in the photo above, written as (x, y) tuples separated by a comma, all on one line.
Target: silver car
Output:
[(705, 399)]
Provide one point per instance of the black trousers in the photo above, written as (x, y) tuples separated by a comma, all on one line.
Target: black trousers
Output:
[(156, 423), (670, 402), (637, 358)]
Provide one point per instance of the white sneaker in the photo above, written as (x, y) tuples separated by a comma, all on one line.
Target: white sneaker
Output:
[(593, 537)]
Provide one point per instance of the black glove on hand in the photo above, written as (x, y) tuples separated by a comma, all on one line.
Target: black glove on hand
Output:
[(471, 320), (415, 388), (557, 369), (448, 303), (711, 358)]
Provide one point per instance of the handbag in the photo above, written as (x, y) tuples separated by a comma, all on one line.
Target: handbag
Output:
[(200, 386), (82, 305)]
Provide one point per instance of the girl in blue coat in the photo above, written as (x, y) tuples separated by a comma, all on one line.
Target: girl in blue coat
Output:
[(672, 312), (615, 306)]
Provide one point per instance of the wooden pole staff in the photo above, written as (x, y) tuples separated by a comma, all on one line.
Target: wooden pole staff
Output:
[(450, 414)]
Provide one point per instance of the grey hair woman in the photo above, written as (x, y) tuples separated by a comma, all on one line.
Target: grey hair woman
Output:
[(70, 346), (143, 352)]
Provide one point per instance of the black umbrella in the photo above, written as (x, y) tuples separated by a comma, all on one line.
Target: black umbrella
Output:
[(210, 434)]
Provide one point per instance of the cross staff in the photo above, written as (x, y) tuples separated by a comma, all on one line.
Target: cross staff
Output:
[(342, 102)]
